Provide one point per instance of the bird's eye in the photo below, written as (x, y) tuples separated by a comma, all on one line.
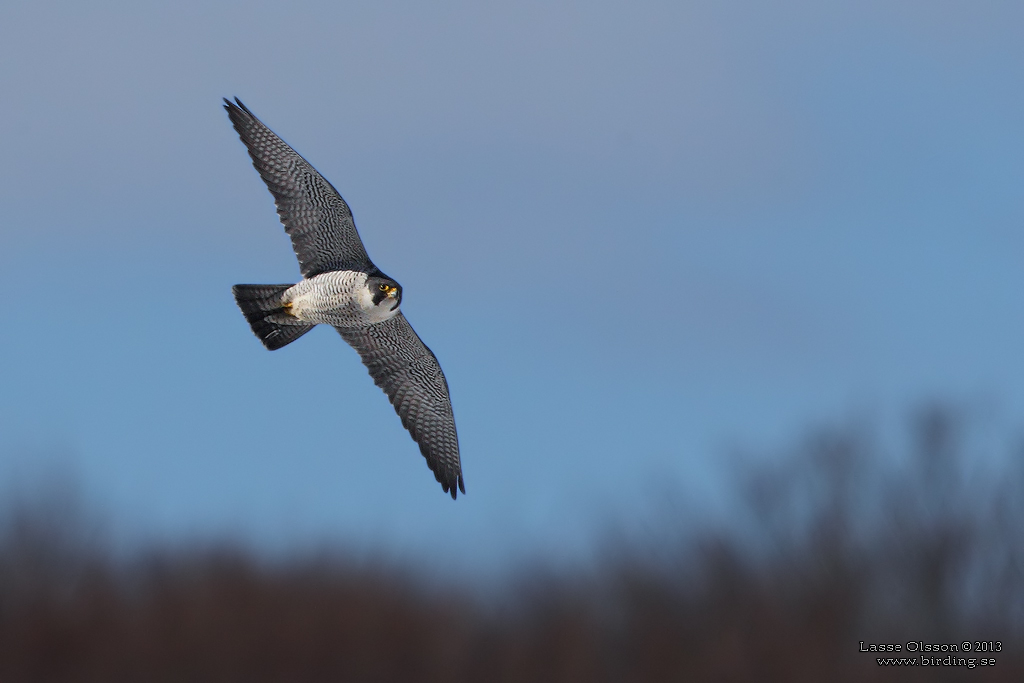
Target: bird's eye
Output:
[(383, 288)]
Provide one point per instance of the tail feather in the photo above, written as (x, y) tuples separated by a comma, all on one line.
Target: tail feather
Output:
[(261, 305)]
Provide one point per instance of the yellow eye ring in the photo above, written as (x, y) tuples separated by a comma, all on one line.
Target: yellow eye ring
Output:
[(383, 288)]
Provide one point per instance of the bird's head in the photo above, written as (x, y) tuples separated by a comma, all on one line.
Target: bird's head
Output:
[(384, 292)]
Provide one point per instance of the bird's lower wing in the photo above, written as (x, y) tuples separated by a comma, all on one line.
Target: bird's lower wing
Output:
[(402, 365)]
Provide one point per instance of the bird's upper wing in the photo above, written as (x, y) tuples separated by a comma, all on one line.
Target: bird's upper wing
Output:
[(407, 371), (314, 215)]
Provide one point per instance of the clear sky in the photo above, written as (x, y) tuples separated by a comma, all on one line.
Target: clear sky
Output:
[(634, 234)]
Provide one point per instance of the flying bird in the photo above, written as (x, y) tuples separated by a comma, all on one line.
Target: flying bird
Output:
[(341, 287)]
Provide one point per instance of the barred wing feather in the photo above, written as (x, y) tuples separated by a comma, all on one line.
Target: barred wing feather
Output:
[(408, 372), (314, 215)]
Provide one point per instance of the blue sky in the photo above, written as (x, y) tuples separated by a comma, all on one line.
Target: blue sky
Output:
[(635, 234)]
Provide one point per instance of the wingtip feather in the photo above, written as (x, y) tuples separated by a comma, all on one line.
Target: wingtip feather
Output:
[(450, 488), (236, 108)]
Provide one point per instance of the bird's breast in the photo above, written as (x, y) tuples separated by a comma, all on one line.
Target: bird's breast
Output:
[(340, 298)]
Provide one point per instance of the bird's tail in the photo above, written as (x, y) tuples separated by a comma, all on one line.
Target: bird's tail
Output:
[(269, 318)]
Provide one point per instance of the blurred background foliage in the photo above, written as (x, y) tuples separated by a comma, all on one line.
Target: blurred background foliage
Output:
[(838, 540)]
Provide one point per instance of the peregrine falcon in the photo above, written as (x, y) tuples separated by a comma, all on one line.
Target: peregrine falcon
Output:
[(341, 287)]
